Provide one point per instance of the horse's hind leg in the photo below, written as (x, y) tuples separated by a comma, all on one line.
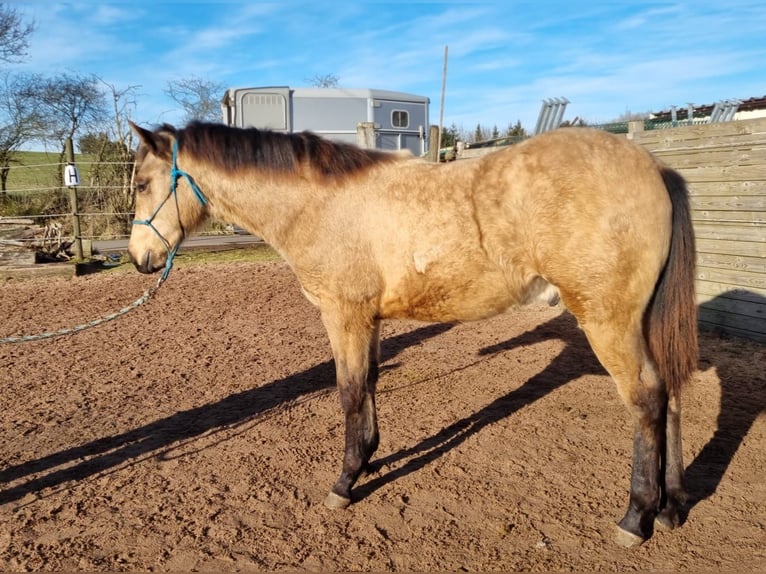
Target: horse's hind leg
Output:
[(623, 353), (354, 342), (371, 435), (674, 495)]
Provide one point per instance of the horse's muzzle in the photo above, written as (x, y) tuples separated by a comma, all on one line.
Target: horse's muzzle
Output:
[(147, 263)]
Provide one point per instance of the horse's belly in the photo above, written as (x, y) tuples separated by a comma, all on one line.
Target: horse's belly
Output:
[(444, 298)]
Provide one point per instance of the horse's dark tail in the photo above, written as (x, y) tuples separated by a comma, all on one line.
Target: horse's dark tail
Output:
[(672, 315)]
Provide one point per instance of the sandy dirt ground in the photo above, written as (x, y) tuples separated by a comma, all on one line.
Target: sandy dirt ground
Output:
[(202, 430)]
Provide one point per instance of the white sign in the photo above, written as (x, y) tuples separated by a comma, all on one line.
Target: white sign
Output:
[(71, 175)]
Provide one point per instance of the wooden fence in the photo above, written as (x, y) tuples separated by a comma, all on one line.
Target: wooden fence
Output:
[(725, 167)]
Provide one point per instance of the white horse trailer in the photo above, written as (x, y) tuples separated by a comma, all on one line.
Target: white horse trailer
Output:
[(399, 120)]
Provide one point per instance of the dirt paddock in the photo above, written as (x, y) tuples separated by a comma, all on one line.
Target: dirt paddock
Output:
[(202, 430)]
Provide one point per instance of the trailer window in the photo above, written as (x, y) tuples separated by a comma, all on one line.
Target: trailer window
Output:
[(400, 119)]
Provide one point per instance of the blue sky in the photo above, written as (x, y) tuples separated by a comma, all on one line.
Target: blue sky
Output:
[(607, 58)]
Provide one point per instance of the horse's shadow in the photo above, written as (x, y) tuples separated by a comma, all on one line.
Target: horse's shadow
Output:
[(80, 462), (704, 474), (743, 400), (574, 360)]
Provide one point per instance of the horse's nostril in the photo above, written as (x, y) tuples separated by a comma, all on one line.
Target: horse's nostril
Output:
[(146, 263), (142, 263)]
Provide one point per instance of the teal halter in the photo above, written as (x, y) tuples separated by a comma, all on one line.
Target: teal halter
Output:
[(175, 173)]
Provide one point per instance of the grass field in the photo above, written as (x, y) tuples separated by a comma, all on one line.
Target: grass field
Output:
[(35, 171), (34, 185)]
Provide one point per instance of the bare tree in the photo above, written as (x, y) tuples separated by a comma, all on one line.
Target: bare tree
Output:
[(72, 103), (199, 98), (123, 103), (21, 120), (13, 35), (323, 81), (114, 156)]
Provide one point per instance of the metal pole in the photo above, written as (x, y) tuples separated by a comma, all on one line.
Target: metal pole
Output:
[(441, 108), (716, 112), (550, 118), (73, 203), (562, 106), (541, 118)]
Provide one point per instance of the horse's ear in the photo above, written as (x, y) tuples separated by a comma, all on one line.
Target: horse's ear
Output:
[(159, 142)]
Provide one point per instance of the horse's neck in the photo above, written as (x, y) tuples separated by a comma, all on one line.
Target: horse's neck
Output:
[(264, 206)]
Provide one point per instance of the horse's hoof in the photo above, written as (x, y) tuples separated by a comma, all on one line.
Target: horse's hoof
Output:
[(336, 501), (627, 539)]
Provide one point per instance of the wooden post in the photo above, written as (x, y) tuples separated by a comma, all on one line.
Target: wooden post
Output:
[(433, 144), (365, 135), (72, 185), (635, 126)]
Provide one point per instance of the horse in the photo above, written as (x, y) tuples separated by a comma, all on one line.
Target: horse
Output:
[(576, 214)]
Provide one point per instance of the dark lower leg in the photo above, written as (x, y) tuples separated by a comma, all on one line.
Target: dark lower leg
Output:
[(354, 458), (370, 435), (674, 496), (360, 443), (356, 351), (644, 485)]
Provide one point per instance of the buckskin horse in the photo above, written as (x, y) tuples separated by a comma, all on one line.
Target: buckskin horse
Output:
[(575, 213)]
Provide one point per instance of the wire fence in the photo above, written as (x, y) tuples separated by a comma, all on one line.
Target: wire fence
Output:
[(34, 197), (37, 209)]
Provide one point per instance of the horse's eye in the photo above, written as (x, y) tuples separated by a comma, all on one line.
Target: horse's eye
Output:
[(141, 186)]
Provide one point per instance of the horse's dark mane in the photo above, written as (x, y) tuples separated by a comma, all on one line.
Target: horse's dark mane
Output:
[(236, 149)]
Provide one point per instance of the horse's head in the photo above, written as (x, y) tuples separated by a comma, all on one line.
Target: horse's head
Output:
[(168, 203)]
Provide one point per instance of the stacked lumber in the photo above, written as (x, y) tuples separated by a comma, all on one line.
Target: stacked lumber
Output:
[(20, 241)]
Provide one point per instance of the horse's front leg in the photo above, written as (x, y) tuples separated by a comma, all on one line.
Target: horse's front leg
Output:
[(354, 341)]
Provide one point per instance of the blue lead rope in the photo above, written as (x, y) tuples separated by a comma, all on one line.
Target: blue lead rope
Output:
[(175, 173)]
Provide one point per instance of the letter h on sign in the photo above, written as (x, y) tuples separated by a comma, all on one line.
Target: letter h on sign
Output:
[(71, 175)]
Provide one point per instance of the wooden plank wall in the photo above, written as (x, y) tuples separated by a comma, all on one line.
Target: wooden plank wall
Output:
[(725, 167)]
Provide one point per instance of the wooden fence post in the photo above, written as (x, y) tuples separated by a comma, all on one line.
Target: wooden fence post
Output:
[(365, 135), (72, 180), (634, 127), (433, 144)]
